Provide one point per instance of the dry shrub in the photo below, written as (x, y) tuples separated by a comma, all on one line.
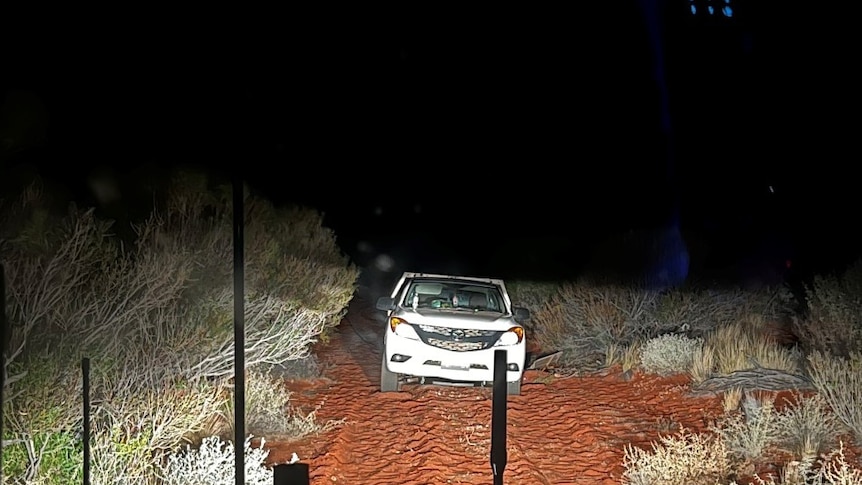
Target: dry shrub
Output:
[(584, 321), (839, 381), (833, 323), (268, 411), (155, 316), (731, 399), (831, 469), (669, 354), (697, 311), (532, 295), (808, 426), (750, 433)]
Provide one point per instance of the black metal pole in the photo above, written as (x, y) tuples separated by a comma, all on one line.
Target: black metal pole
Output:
[(290, 474), (498, 417), (239, 329), (85, 371), (3, 336)]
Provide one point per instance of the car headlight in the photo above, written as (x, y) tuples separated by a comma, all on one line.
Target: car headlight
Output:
[(400, 327), (513, 336)]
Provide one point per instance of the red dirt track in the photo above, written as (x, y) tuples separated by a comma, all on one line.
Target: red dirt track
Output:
[(561, 430)]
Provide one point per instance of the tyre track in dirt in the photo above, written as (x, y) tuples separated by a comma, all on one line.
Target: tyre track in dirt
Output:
[(560, 430)]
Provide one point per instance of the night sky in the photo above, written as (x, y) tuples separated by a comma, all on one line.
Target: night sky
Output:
[(513, 143)]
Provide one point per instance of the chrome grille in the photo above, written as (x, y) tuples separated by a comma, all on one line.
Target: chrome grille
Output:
[(456, 345), (457, 339)]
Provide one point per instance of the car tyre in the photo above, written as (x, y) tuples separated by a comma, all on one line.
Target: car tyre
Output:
[(389, 381), (514, 388)]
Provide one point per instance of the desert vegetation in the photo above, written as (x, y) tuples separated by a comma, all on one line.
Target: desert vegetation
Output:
[(154, 314), (725, 340)]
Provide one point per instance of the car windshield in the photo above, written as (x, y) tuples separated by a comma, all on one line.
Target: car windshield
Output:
[(457, 295)]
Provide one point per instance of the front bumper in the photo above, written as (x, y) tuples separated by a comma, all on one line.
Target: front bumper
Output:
[(467, 366)]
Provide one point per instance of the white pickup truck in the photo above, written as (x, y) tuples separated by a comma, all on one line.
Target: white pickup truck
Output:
[(445, 329)]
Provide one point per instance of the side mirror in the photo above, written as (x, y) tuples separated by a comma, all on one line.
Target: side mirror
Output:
[(521, 314), (385, 303)]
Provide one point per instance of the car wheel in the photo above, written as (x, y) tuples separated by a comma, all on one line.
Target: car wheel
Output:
[(514, 388), (389, 381)]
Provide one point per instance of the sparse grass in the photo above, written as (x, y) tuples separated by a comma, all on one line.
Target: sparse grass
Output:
[(731, 399), (631, 356), (627, 357), (742, 345), (702, 364)]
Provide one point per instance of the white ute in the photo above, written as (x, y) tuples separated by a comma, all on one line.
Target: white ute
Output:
[(445, 329)]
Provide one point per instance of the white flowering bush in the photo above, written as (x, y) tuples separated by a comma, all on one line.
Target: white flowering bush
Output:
[(681, 459), (669, 354), (214, 463)]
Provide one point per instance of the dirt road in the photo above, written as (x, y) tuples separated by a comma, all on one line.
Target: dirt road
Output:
[(561, 430)]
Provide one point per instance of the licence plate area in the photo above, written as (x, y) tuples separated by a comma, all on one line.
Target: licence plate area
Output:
[(454, 366)]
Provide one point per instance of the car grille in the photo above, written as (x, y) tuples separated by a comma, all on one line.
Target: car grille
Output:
[(457, 339)]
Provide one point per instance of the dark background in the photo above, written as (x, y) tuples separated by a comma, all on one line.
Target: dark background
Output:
[(514, 142)]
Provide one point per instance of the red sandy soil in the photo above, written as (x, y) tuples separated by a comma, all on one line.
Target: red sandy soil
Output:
[(561, 430)]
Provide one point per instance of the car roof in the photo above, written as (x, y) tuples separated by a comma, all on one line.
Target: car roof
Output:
[(411, 275)]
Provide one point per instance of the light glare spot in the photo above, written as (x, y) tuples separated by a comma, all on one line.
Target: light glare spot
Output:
[(384, 262)]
